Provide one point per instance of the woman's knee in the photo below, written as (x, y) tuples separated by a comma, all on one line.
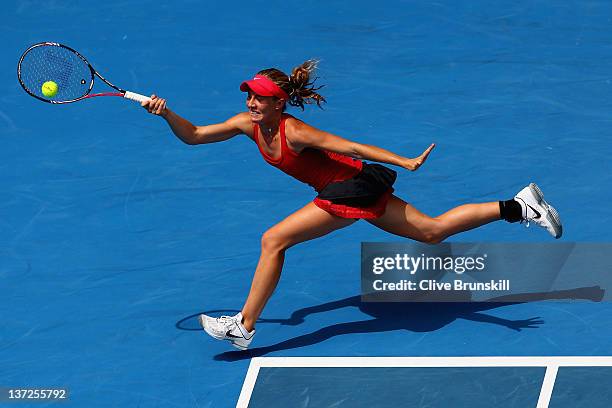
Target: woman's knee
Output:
[(434, 234), (426, 236), (273, 241), (433, 238)]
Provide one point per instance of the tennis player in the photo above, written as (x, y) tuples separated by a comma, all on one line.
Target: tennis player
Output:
[(348, 189)]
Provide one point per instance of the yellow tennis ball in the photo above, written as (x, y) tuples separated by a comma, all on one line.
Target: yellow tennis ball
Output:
[(49, 89)]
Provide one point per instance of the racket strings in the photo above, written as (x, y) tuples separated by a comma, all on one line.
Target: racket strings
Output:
[(64, 68), (57, 64)]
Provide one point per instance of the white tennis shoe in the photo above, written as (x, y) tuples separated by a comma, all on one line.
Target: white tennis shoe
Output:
[(228, 328), (537, 210)]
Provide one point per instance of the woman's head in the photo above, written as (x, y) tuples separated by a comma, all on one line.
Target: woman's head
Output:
[(296, 89)]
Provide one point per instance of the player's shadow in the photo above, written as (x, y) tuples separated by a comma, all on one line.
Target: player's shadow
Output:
[(386, 316)]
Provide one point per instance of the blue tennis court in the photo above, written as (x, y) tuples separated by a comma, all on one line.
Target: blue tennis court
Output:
[(115, 236), (427, 381)]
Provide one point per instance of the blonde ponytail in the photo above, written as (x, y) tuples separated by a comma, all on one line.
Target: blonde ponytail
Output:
[(299, 85)]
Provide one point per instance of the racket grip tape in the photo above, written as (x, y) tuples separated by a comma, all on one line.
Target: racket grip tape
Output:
[(135, 97)]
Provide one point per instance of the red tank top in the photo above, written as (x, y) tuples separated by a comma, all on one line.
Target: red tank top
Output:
[(315, 167)]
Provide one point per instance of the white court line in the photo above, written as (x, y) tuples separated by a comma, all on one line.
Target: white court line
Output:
[(552, 365), (489, 361), (547, 386), (249, 384)]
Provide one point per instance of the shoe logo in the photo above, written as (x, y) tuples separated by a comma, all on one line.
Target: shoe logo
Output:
[(538, 215), (229, 334)]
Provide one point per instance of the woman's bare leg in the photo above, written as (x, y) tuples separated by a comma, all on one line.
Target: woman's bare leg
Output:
[(403, 219), (305, 224)]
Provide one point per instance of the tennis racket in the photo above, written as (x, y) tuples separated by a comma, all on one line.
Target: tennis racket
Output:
[(72, 75)]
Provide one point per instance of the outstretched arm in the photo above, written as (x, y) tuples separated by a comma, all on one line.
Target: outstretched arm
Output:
[(303, 135), (192, 134)]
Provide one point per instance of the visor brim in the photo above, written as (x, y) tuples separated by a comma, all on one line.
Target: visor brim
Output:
[(257, 87)]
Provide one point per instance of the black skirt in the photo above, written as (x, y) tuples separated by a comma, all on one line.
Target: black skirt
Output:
[(363, 190)]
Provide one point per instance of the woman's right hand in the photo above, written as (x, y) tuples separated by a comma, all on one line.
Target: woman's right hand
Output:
[(156, 106)]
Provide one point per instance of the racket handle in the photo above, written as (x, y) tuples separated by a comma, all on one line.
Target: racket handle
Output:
[(135, 97)]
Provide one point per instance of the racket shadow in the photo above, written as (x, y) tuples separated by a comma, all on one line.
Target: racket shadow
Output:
[(415, 317)]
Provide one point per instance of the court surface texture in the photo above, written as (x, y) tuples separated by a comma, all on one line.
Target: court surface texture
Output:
[(114, 235)]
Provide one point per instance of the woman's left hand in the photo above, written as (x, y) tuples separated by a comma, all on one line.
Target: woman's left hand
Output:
[(414, 164)]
